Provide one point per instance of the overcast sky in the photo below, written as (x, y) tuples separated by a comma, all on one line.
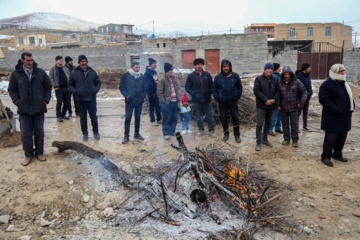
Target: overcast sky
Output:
[(194, 16)]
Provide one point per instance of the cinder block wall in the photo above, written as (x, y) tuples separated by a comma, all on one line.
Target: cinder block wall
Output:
[(287, 58), (351, 61)]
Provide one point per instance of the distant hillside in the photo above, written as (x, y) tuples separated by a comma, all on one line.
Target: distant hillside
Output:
[(49, 20)]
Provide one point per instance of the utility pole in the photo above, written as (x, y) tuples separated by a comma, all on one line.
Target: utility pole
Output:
[(230, 30), (154, 27), (355, 40)]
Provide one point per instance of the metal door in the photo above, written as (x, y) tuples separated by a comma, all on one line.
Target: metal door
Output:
[(188, 58), (212, 60)]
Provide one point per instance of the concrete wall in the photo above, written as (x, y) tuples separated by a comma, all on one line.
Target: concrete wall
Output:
[(247, 52), (287, 58), (351, 61)]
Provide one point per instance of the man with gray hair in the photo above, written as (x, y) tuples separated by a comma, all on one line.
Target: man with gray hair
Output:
[(338, 105)]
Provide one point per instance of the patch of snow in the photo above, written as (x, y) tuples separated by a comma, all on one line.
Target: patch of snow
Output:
[(4, 86), (183, 70), (6, 37)]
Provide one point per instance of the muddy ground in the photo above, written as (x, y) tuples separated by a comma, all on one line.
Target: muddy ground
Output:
[(66, 189)]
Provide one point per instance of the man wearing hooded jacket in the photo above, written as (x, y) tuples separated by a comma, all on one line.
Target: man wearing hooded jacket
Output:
[(30, 90), (290, 88), (227, 90), (198, 85)]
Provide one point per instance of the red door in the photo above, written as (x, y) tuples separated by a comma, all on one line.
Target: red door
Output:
[(212, 60), (188, 58)]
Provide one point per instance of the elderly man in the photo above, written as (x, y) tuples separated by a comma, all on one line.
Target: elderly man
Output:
[(59, 76), (338, 105), (290, 89), (30, 90), (133, 88), (169, 98), (152, 81), (84, 83), (227, 90), (198, 85), (266, 92)]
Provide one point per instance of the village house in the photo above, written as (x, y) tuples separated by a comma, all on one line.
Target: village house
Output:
[(34, 40)]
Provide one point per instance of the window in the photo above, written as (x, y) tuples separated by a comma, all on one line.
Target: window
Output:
[(265, 29), (310, 31), (21, 40), (257, 29), (292, 32), (55, 41), (349, 31), (164, 45), (328, 31), (40, 40)]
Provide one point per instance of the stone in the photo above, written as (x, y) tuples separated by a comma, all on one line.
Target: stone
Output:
[(85, 198), (108, 212), (105, 204), (26, 237), (13, 228), (308, 230), (338, 194), (44, 222), (77, 218), (71, 182), (356, 213), (4, 219)]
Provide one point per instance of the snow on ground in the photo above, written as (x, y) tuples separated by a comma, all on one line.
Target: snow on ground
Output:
[(4, 86), (6, 37)]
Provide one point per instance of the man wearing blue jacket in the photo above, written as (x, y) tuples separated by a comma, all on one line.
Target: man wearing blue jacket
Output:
[(133, 87), (84, 83), (305, 78), (198, 85), (152, 81), (227, 90)]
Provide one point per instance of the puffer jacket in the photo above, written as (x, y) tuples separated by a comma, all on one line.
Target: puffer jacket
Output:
[(289, 92), (85, 85), (199, 86), (306, 80), (266, 89), (133, 89), (31, 95), (227, 87)]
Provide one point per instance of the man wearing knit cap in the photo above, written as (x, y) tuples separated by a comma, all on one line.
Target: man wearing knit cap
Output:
[(152, 80), (70, 66), (84, 83), (338, 105), (276, 119), (133, 88), (267, 93), (198, 85), (227, 90), (59, 77), (305, 78), (169, 98)]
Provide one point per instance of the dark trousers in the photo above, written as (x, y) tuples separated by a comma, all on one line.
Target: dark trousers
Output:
[(62, 97), (225, 108), (263, 122), (290, 120), (69, 104), (84, 108), (154, 106), (305, 110), (170, 118), (333, 144), (200, 108), (129, 109), (32, 126)]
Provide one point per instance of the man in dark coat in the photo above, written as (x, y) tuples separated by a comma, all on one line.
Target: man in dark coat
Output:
[(227, 90), (69, 65), (266, 92), (338, 105), (305, 78), (30, 90), (276, 119), (84, 83), (198, 85), (133, 88), (59, 76), (290, 88), (152, 81), (169, 98)]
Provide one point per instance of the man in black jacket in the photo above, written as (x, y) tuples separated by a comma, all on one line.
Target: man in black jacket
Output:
[(305, 78), (267, 93), (84, 83), (133, 87), (30, 90), (69, 65), (198, 85)]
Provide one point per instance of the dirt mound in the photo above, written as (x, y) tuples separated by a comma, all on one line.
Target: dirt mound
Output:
[(110, 78), (7, 141)]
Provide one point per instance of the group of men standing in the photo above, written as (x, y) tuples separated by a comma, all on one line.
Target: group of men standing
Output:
[(284, 94)]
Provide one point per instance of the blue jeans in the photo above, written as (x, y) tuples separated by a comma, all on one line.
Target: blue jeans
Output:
[(170, 117), (185, 119), (154, 106), (276, 121), (200, 108)]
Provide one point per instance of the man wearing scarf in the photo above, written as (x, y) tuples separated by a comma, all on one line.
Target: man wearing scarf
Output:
[(338, 104), (133, 88)]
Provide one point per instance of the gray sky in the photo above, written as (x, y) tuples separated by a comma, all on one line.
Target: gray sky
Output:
[(191, 16)]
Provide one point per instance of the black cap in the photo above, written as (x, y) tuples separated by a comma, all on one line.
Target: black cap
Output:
[(68, 59), (168, 67), (151, 61), (82, 57), (276, 66)]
